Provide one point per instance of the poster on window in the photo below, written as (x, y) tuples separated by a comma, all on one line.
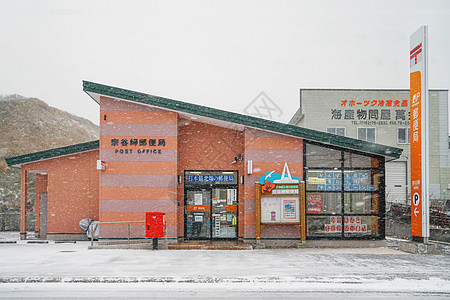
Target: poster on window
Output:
[(231, 196), (314, 203), (198, 199)]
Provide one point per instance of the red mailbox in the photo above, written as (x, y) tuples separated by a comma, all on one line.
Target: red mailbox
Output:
[(154, 224)]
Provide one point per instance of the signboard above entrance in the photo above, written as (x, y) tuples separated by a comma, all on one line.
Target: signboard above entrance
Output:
[(208, 177), (211, 178)]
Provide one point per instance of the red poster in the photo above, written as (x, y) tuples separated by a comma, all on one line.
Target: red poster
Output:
[(314, 203)]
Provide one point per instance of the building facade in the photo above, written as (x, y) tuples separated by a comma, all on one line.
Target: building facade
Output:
[(382, 116), (216, 175)]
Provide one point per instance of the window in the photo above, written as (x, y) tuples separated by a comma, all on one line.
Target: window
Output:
[(367, 134), (336, 130), (318, 156), (353, 160), (343, 195), (403, 135)]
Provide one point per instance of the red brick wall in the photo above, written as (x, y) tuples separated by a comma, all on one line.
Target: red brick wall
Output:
[(72, 185), (269, 152), (137, 182), (207, 147)]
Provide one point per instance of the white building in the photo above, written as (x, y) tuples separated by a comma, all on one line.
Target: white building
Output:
[(382, 116)]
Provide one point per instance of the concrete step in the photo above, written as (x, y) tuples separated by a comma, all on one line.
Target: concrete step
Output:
[(123, 241), (210, 245), (139, 244)]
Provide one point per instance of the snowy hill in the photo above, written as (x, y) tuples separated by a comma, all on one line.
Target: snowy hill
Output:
[(30, 125)]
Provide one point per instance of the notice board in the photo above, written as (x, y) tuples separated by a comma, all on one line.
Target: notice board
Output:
[(281, 204), (280, 209)]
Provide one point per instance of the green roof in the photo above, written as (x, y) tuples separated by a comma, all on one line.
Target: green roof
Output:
[(52, 153), (213, 113), (245, 120)]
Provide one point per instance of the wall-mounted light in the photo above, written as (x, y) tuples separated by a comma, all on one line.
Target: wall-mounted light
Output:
[(179, 179), (237, 158), (101, 165), (250, 167), (242, 179)]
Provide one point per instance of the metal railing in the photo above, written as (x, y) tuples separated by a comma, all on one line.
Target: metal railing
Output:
[(120, 222), (439, 213), (10, 221)]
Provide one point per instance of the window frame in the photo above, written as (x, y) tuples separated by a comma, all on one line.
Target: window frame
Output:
[(375, 134), (335, 130), (380, 192), (407, 135)]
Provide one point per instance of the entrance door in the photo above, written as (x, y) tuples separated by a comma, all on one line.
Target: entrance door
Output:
[(224, 213), (198, 214), (396, 182), (211, 206), (42, 215)]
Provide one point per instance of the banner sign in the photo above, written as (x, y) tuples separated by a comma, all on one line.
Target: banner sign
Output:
[(378, 112), (419, 133), (353, 181), (211, 178)]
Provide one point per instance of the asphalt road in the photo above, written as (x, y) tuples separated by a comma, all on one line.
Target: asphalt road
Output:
[(72, 271)]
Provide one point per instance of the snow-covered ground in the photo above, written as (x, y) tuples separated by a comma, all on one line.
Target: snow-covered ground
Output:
[(71, 270)]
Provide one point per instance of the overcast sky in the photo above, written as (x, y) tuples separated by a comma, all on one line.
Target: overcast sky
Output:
[(215, 53)]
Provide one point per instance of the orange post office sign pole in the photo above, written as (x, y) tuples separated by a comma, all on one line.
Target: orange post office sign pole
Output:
[(419, 135)]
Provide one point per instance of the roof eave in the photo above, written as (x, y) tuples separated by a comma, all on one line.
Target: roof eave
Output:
[(245, 120), (18, 161)]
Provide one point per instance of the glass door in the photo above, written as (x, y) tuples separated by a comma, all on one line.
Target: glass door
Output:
[(198, 214), (224, 213), (211, 205)]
